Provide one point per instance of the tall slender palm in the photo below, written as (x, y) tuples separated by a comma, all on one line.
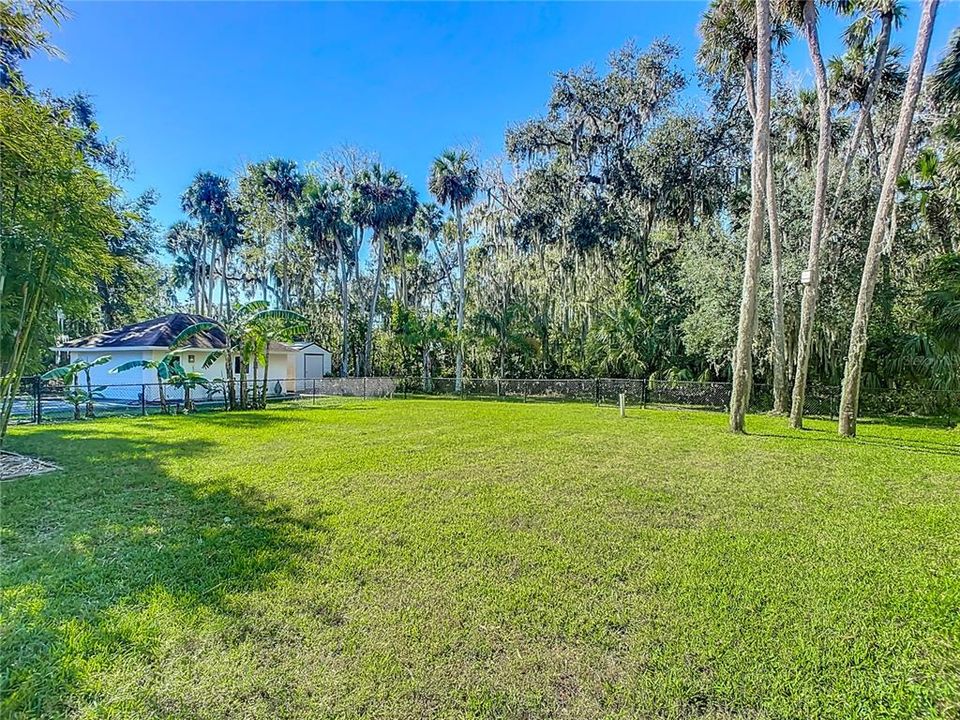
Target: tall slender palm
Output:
[(230, 240), (808, 22), (454, 179), (850, 392), (259, 225), (381, 200), (207, 202), (853, 76), (728, 47), (183, 241), (282, 185), (742, 360), (946, 78), (429, 222), (322, 217)]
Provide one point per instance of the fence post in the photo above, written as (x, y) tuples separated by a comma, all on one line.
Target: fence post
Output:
[(596, 390), (143, 400), (38, 393), (314, 391), (364, 387), (643, 393), (623, 404)]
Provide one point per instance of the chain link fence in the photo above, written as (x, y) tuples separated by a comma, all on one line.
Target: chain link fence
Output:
[(41, 401)]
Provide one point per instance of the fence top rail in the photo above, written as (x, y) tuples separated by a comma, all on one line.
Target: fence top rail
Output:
[(930, 392)]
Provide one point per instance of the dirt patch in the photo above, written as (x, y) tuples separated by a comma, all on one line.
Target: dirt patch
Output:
[(13, 466)]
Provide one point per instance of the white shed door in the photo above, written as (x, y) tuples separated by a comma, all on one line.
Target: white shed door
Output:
[(313, 365)]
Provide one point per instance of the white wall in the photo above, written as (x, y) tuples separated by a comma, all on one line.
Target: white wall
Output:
[(127, 386), (101, 374)]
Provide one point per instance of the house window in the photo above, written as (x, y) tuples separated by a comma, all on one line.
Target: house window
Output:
[(191, 358), (236, 366)]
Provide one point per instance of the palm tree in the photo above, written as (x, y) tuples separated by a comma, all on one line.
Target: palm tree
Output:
[(454, 179), (247, 336), (322, 217), (183, 242), (283, 184), (946, 78), (270, 326), (207, 201), (808, 306), (381, 201), (742, 360), (70, 374), (858, 82), (729, 44), (850, 392)]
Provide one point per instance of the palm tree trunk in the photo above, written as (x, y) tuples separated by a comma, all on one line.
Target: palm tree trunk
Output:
[(778, 338), (461, 299), (873, 149), (344, 310), (253, 383), (778, 332), (211, 275), (266, 372), (863, 117), (811, 289), (374, 296), (89, 412), (162, 394), (742, 365), (231, 395), (199, 259), (850, 393)]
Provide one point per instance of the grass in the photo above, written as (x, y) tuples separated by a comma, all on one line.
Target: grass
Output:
[(450, 559)]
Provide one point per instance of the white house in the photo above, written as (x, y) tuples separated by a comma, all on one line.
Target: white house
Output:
[(292, 367)]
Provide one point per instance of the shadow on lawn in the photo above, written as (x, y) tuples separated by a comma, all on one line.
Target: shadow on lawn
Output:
[(910, 444), (277, 414), (112, 533)]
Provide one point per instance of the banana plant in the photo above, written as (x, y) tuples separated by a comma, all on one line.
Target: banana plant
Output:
[(166, 366), (70, 375), (248, 336), (162, 366), (187, 381)]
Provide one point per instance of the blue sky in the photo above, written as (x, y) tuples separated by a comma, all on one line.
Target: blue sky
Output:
[(211, 86)]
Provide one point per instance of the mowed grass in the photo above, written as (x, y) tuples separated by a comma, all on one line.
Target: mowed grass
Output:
[(451, 559)]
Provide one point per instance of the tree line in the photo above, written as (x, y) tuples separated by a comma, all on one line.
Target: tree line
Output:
[(611, 236)]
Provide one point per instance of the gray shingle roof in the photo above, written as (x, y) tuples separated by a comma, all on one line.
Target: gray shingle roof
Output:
[(157, 332)]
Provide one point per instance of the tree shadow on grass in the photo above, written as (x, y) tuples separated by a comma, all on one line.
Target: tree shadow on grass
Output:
[(910, 444), (109, 535)]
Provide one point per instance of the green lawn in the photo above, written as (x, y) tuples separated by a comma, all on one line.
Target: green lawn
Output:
[(439, 558)]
